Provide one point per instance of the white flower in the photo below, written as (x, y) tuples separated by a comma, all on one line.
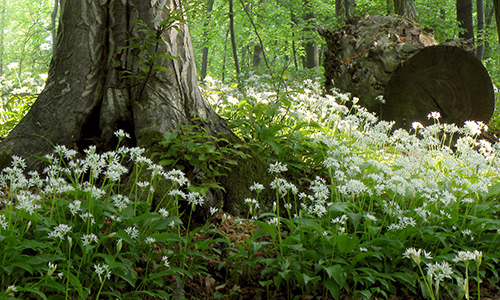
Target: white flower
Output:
[(176, 176), (3, 222), (52, 268), (413, 254), (75, 207), (150, 240), (256, 187), (277, 168), (60, 231), (87, 239), (132, 232), (213, 210), (439, 271), (417, 125), (371, 217), (163, 212), (11, 288), (164, 259), (121, 134), (102, 271), (121, 202), (195, 198), (435, 115)]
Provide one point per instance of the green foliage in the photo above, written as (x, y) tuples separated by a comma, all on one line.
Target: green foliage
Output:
[(206, 156), (69, 238)]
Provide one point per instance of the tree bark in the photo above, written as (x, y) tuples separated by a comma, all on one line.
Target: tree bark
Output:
[(312, 52), (87, 98), (53, 17), (480, 29), (343, 7), (204, 59), (233, 38), (405, 8), (464, 18), (393, 57), (496, 4)]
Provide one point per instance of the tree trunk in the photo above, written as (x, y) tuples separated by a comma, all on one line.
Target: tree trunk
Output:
[(87, 98), (480, 29), (53, 17), (233, 38), (343, 7), (393, 57), (496, 4), (204, 59), (312, 52), (464, 18), (405, 8), (257, 56)]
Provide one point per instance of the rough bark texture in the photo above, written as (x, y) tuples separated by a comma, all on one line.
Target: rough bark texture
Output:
[(405, 8), (464, 18), (366, 54), (86, 99)]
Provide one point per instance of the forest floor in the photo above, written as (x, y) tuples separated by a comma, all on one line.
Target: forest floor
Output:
[(218, 283)]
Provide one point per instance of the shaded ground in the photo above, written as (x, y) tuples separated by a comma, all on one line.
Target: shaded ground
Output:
[(221, 282)]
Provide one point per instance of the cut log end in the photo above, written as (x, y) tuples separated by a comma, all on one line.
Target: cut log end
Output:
[(440, 78)]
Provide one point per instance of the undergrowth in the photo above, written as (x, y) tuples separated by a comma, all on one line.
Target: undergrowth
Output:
[(361, 209)]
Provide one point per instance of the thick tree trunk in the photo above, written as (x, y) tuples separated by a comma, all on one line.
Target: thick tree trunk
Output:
[(86, 98), (393, 57), (464, 18), (405, 8)]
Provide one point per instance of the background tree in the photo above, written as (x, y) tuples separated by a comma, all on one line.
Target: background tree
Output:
[(405, 8), (204, 61), (464, 18), (123, 66)]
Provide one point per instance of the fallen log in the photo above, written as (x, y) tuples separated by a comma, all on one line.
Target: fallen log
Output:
[(393, 57)]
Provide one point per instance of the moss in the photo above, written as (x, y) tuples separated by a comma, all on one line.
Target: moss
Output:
[(5, 160), (240, 178)]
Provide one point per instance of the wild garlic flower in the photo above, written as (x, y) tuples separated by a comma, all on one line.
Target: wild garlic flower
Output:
[(439, 271), (52, 268), (213, 210), (163, 212), (88, 239), (413, 254), (176, 176), (120, 201), (75, 207), (102, 271), (434, 115), (120, 134), (60, 231), (3, 222), (277, 168), (11, 288), (28, 202), (164, 259), (468, 256), (371, 217), (133, 232), (150, 240), (195, 198), (256, 187)]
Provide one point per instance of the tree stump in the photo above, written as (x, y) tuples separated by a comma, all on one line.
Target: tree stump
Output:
[(393, 57)]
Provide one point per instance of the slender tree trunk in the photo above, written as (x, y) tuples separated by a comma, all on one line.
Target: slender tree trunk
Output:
[(2, 36), (388, 5), (312, 52), (257, 49), (343, 7), (480, 29), (204, 59), (405, 8), (496, 4), (233, 38), (53, 18), (464, 18)]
